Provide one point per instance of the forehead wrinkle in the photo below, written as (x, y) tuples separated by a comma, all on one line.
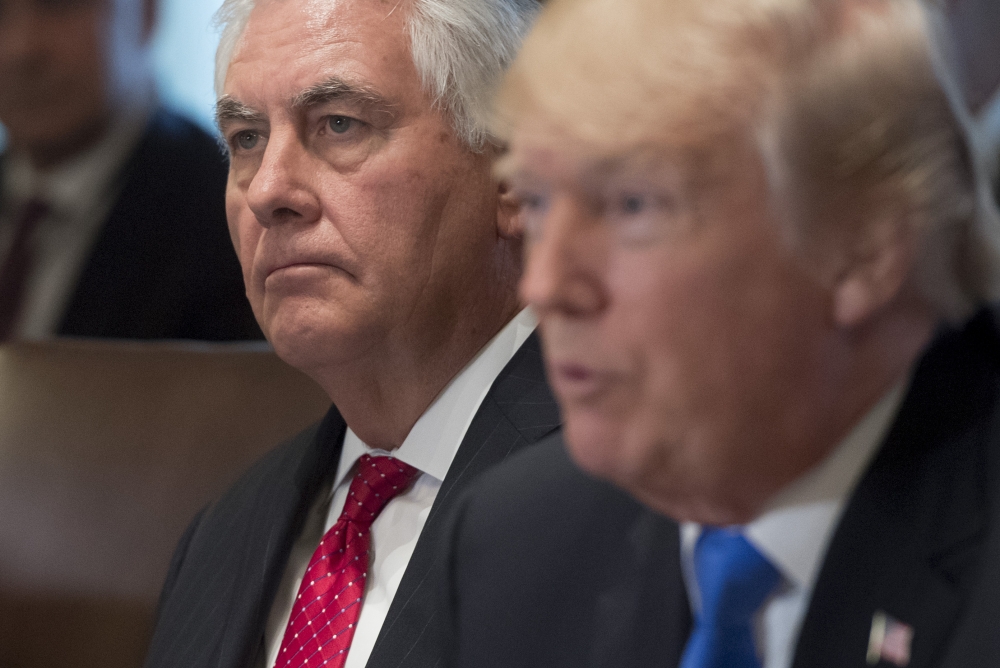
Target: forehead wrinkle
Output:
[(338, 89), (229, 109)]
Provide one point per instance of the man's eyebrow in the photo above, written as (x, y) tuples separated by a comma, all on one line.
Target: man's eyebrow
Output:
[(228, 109), (346, 91)]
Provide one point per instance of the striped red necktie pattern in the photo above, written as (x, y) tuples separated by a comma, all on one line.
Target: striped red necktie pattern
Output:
[(326, 609)]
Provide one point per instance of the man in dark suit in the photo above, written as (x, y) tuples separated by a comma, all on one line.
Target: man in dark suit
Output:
[(764, 324), (112, 218), (381, 258)]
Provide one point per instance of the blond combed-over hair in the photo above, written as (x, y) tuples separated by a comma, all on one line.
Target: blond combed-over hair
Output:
[(845, 98)]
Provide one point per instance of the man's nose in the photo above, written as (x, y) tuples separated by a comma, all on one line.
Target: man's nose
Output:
[(282, 188), (564, 262)]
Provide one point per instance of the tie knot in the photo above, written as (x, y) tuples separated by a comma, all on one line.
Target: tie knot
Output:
[(378, 481), (734, 579)]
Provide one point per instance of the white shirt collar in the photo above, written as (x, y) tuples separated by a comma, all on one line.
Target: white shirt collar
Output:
[(435, 437), (796, 525)]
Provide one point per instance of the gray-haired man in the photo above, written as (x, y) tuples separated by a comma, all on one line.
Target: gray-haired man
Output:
[(381, 258)]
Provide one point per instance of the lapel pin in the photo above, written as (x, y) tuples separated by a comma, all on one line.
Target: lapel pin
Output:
[(889, 640)]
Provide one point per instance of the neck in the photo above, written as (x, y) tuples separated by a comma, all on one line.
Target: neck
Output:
[(382, 394), (867, 362), (881, 352), (48, 154)]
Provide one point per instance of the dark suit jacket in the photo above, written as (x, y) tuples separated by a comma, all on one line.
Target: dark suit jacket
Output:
[(163, 266), (548, 567), (228, 565)]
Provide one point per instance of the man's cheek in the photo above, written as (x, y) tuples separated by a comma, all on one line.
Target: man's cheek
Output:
[(234, 205)]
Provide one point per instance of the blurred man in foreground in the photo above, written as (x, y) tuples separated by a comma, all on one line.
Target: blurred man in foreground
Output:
[(760, 252), (112, 221), (382, 259)]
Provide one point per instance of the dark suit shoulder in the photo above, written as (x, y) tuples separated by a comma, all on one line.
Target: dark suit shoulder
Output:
[(273, 470), (551, 567), (296, 467), (176, 140), (228, 565), (163, 265), (539, 501), (176, 174), (544, 482), (914, 539)]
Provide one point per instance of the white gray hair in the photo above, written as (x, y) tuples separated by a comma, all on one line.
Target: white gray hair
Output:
[(460, 48)]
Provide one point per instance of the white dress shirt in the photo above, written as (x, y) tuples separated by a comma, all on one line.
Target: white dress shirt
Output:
[(430, 447), (795, 528), (80, 194)]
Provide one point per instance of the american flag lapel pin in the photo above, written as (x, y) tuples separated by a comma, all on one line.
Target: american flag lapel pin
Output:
[(889, 640)]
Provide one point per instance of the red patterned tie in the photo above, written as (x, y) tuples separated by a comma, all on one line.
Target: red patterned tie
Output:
[(328, 604)]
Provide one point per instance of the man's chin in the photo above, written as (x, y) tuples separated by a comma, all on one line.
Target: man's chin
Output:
[(635, 462), (593, 442), (310, 337)]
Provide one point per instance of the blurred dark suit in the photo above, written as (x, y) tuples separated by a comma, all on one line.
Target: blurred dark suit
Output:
[(549, 567), (162, 265)]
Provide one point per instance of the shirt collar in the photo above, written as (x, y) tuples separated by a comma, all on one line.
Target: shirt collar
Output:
[(436, 436), (796, 525)]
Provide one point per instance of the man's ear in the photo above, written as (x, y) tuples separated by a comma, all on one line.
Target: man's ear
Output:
[(874, 271), (508, 214)]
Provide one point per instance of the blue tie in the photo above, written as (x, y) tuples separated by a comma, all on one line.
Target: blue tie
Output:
[(734, 580)]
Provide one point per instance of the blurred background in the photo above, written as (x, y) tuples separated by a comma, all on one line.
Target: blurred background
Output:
[(183, 52), (184, 56)]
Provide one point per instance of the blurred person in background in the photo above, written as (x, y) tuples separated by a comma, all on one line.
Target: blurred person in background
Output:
[(972, 38), (112, 218), (762, 252), (381, 258)]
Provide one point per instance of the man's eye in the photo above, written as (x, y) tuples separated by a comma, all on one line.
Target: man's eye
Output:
[(532, 201), (341, 124), (639, 217), (247, 140), (632, 205), (534, 209)]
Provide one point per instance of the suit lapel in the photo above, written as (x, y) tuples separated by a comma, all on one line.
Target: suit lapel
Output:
[(269, 543), (910, 540), (270, 528), (976, 643), (518, 410)]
